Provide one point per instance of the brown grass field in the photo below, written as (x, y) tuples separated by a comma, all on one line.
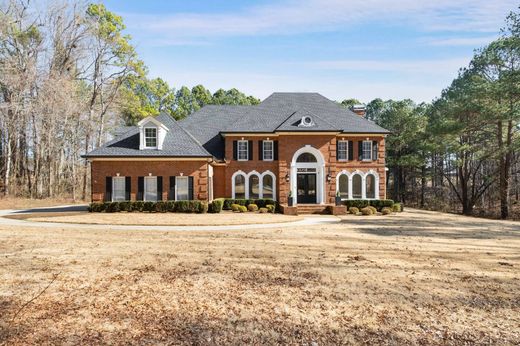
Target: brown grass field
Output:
[(414, 278)]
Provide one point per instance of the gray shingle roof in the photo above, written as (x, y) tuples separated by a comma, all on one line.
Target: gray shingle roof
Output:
[(177, 143), (199, 135)]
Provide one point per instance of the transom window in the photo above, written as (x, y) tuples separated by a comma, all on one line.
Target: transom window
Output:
[(150, 137), (150, 188), (243, 150), (268, 150), (342, 150), (118, 189), (367, 150), (182, 191), (306, 157)]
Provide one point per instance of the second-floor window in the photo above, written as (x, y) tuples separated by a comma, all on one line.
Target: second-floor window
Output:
[(268, 150), (242, 151), (150, 137), (367, 150), (342, 150)]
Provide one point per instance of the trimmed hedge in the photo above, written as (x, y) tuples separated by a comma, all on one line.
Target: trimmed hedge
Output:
[(260, 203), (215, 207), (199, 207), (362, 203)]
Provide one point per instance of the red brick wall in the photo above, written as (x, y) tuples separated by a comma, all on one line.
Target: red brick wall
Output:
[(287, 146), (102, 169)]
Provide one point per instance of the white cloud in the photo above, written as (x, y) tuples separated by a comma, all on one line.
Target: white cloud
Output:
[(320, 15), (462, 41)]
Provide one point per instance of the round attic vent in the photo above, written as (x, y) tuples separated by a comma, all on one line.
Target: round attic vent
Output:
[(306, 121)]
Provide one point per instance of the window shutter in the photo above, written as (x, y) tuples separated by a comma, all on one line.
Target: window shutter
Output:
[(190, 188), (140, 188), (171, 194), (159, 189), (337, 150), (350, 150), (374, 150), (235, 150), (108, 189), (261, 150), (360, 150), (275, 149), (250, 149), (128, 187)]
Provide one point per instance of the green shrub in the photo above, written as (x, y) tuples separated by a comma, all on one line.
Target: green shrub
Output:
[(170, 206), (366, 211), (161, 207), (386, 211), (353, 210), (96, 207), (263, 210), (215, 207), (203, 207), (252, 207), (261, 203), (271, 208), (242, 208), (138, 206), (397, 208), (235, 207), (362, 203), (149, 206), (125, 206)]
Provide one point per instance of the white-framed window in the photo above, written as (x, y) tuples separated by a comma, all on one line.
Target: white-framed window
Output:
[(268, 150), (342, 150), (367, 150), (357, 186), (243, 150), (253, 185), (118, 189), (370, 187), (150, 189), (150, 137), (268, 186), (343, 186), (182, 190)]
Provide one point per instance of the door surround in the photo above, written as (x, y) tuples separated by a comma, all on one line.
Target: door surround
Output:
[(319, 165)]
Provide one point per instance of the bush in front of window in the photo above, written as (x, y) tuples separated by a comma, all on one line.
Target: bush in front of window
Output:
[(362, 203), (242, 208), (153, 207), (353, 210), (261, 203), (386, 211), (271, 208), (367, 211), (252, 207)]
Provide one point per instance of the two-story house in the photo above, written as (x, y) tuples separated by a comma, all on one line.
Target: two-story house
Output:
[(298, 144)]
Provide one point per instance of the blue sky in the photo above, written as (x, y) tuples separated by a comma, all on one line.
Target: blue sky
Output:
[(340, 48)]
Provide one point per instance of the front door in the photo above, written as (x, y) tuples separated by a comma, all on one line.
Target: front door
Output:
[(306, 187)]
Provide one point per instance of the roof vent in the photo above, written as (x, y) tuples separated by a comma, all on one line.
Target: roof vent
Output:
[(306, 121), (359, 110)]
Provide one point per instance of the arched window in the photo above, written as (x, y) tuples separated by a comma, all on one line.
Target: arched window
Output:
[(254, 186), (370, 186), (239, 183), (267, 186), (343, 186), (357, 186), (306, 157)]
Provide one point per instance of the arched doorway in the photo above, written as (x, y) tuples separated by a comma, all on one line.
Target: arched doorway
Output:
[(307, 176)]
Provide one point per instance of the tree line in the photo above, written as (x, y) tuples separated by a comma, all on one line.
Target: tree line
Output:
[(460, 152), (69, 76)]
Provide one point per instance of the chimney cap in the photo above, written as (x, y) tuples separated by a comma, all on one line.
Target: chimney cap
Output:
[(359, 109)]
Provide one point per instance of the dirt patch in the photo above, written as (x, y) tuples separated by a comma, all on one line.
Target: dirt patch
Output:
[(166, 219), (346, 283), (26, 203)]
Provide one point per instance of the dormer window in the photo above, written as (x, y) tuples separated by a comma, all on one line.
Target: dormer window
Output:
[(150, 137)]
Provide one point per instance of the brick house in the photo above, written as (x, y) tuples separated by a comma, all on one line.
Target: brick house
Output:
[(301, 144)]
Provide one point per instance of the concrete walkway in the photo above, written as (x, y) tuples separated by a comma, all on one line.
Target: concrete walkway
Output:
[(307, 221)]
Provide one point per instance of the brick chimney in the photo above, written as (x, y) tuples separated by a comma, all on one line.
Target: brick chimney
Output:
[(359, 110)]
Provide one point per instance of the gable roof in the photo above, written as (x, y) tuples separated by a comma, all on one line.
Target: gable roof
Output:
[(177, 143), (294, 122)]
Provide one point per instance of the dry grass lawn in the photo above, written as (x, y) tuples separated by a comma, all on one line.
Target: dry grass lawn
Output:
[(25, 203), (414, 278), (168, 219)]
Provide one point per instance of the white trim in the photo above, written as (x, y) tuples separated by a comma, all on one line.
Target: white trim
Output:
[(146, 183), (320, 172), (156, 137), (187, 179), (364, 176), (263, 150), (346, 150), (124, 187), (363, 150), (246, 184), (238, 150)]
